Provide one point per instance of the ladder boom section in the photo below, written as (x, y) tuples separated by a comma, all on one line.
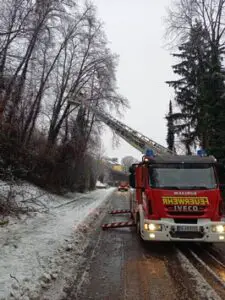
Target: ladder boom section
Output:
[(133, 137)]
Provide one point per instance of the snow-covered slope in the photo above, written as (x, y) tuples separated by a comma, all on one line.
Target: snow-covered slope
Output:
[(34, 249)]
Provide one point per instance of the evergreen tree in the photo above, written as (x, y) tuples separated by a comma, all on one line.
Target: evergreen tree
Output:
[(191, 122), (216, 104), (170, 128), (200, 91)]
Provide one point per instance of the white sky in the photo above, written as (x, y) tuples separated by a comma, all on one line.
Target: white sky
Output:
[(135, 30)]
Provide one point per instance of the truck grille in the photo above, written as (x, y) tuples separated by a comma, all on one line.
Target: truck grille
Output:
[(185, 221), (186, 235), (186, 213)]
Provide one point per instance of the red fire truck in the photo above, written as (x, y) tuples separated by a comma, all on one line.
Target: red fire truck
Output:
[(177, 198), (123, 186), (174, 197)]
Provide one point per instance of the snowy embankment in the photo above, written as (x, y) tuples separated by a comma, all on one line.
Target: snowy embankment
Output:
[(43, 248)]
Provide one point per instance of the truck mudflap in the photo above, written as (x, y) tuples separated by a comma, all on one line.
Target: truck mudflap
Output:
[(208, 232)]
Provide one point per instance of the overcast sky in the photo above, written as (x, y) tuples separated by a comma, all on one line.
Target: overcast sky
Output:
[(135, 30)]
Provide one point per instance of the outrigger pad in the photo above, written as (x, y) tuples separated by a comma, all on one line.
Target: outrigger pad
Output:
[(120, 211), (118, 225)]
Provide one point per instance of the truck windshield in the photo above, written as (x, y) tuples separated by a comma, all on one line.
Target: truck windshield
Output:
[(182, 176)]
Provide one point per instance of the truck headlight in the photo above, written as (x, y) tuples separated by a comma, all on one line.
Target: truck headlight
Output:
[(218, 228), (152, 227)]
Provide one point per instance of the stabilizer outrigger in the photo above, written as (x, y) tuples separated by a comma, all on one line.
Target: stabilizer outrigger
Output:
[(119, 224)]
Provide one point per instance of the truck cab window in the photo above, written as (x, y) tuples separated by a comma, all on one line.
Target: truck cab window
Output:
[(182, 176)]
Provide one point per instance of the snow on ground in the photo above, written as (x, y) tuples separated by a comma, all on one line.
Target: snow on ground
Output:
[(100, 184), (34, 249)]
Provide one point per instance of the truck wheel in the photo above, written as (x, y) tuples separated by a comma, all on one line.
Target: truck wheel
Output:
[(138, 229), (138, 226)]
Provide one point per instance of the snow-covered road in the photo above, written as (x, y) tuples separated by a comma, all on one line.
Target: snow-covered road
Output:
[(34, 249)]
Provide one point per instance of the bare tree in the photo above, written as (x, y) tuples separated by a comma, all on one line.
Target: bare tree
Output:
[(89, 70), (184, 14), (127, 161), (53, 51)]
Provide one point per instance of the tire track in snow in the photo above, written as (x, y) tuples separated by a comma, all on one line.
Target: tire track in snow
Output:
[(203, 288), (85, 275)]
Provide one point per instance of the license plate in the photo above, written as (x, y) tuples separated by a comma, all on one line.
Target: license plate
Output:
[(187, 228)]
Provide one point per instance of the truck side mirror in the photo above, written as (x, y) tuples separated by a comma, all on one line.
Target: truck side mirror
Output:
[(132, 169), (222, 187), (132, 180), (220, 169)]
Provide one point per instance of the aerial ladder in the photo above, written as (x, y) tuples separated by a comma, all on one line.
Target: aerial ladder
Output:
[(134, 138)]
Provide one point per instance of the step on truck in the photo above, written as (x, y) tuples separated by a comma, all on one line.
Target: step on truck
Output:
[(177, 198)]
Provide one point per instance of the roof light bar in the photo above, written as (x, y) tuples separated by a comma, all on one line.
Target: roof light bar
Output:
[(201, 153), (149, 153)]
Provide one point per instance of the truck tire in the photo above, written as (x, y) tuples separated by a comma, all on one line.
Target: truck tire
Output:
[(138, 230), (138, 226), (131, 208)]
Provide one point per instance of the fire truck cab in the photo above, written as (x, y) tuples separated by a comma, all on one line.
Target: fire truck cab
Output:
[(177, 198), (123, 186)]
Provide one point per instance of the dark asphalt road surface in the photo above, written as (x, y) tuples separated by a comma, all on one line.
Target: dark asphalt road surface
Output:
[(119, 266)]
